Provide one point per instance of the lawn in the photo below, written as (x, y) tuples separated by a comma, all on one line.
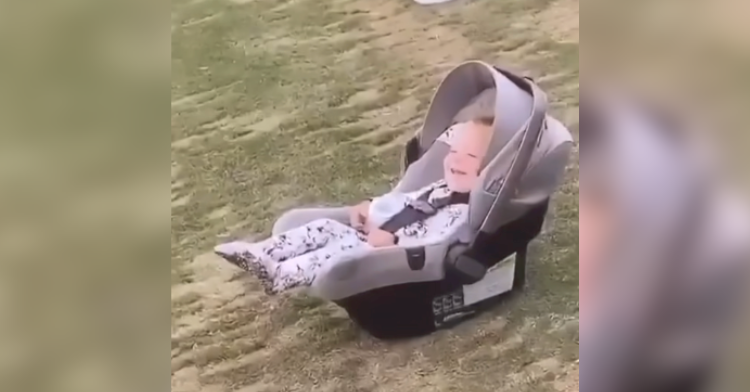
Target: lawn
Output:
[(277, 104)]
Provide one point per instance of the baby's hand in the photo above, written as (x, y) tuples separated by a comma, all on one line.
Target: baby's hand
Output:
[(358, 216), (379, 238)]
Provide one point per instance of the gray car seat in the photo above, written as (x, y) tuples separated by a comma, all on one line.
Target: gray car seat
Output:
[(397, 292)]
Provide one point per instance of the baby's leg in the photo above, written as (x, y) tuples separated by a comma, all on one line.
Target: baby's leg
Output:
[(302, 270), (302, 240), (286, 245), (296, 272), (312, 236)]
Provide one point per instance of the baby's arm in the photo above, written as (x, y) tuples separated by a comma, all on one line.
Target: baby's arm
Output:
[(358, 215), (379, 238)]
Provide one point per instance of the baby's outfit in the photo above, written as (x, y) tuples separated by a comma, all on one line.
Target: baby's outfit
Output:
[(296, 257)]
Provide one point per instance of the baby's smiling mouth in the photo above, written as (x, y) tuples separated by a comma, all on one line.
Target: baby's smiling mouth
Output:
[(458, 172)]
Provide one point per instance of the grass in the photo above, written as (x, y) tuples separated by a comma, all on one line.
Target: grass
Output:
[(281, 104)]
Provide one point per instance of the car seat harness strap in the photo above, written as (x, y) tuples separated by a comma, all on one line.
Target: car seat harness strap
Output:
[(421, 209)]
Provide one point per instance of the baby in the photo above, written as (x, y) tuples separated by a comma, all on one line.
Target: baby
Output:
[(429, 215)]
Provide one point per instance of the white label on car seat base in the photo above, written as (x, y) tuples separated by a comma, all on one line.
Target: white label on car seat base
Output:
[(498, 280)]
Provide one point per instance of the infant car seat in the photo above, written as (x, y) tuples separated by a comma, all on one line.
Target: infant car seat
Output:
[(404, 292)]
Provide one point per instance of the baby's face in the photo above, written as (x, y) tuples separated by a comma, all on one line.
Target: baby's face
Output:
[(463, 163)]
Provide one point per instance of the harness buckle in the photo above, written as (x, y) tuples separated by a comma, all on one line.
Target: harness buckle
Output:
[(423, 206)]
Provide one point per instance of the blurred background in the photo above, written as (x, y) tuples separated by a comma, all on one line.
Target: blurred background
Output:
[(692, 56), (84, 214)]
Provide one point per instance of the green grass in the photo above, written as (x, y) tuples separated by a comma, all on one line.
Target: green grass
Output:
[(280, 104)]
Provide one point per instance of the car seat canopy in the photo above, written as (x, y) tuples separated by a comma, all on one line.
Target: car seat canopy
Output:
[(476, 89)]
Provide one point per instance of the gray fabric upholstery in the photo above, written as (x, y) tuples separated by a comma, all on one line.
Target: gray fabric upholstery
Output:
[(301, 216), (483, 105), (544, 174), (465, 83), (383, 267)]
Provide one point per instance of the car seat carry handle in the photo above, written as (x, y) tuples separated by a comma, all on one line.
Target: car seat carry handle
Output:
[(532, 131)]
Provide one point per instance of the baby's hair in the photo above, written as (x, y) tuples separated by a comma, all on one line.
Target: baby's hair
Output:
[(484, 120)]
